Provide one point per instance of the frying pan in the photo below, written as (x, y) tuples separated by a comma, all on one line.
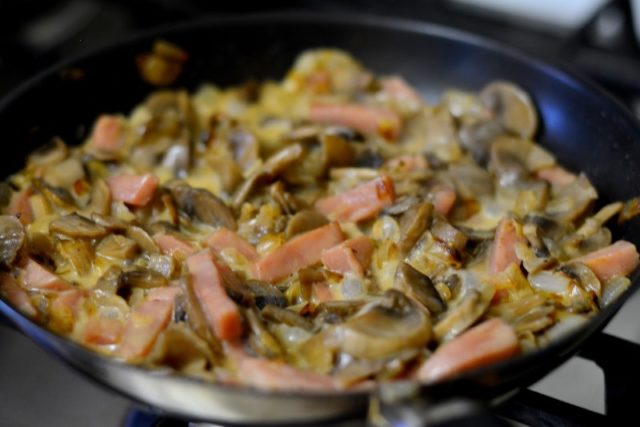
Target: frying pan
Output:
[(585, 128)]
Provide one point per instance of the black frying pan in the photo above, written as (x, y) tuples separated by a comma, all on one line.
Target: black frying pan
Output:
[(581, 125)]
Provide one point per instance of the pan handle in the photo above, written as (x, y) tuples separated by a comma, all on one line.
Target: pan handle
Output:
[(400, 404)]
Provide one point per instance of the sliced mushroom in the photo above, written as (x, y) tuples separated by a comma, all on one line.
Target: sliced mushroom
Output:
[(564, 289), (512, 107), (196, 318), (304, 220), (64, 174), (387, 328), (100, 201), (299, 286), (336, 151), (117, 247), (261, 341), (79, 253), (56, 196), (286, 200), (144, 278), (255, 292), (583, 274), (419, 287), (275, 164), (591, 235), (305, 133), (432, 257), (534, 259), (464, 105), (200, 204), (288, 317), (77, 226), (336, 311), (110, 281), (12, 237), (229, 172), (471, 181), (506, 162), (402, 205), (183, 350), (171, 209), (460, 317), (532, 197), (163, 264), (41, 244), (110, 223), (142, 238), (528, 314), (571, 201), (448, 234), (476, 138), (413, 223)]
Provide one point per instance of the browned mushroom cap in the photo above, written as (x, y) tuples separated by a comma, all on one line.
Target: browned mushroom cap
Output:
[(11, 239), (512, 106)]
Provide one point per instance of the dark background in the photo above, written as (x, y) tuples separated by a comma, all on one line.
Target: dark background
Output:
[(35, 34)]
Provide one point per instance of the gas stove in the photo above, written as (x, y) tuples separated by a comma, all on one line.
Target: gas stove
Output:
[(595, 387)]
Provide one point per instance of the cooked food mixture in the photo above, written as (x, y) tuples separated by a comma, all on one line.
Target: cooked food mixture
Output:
[(322, 232)]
